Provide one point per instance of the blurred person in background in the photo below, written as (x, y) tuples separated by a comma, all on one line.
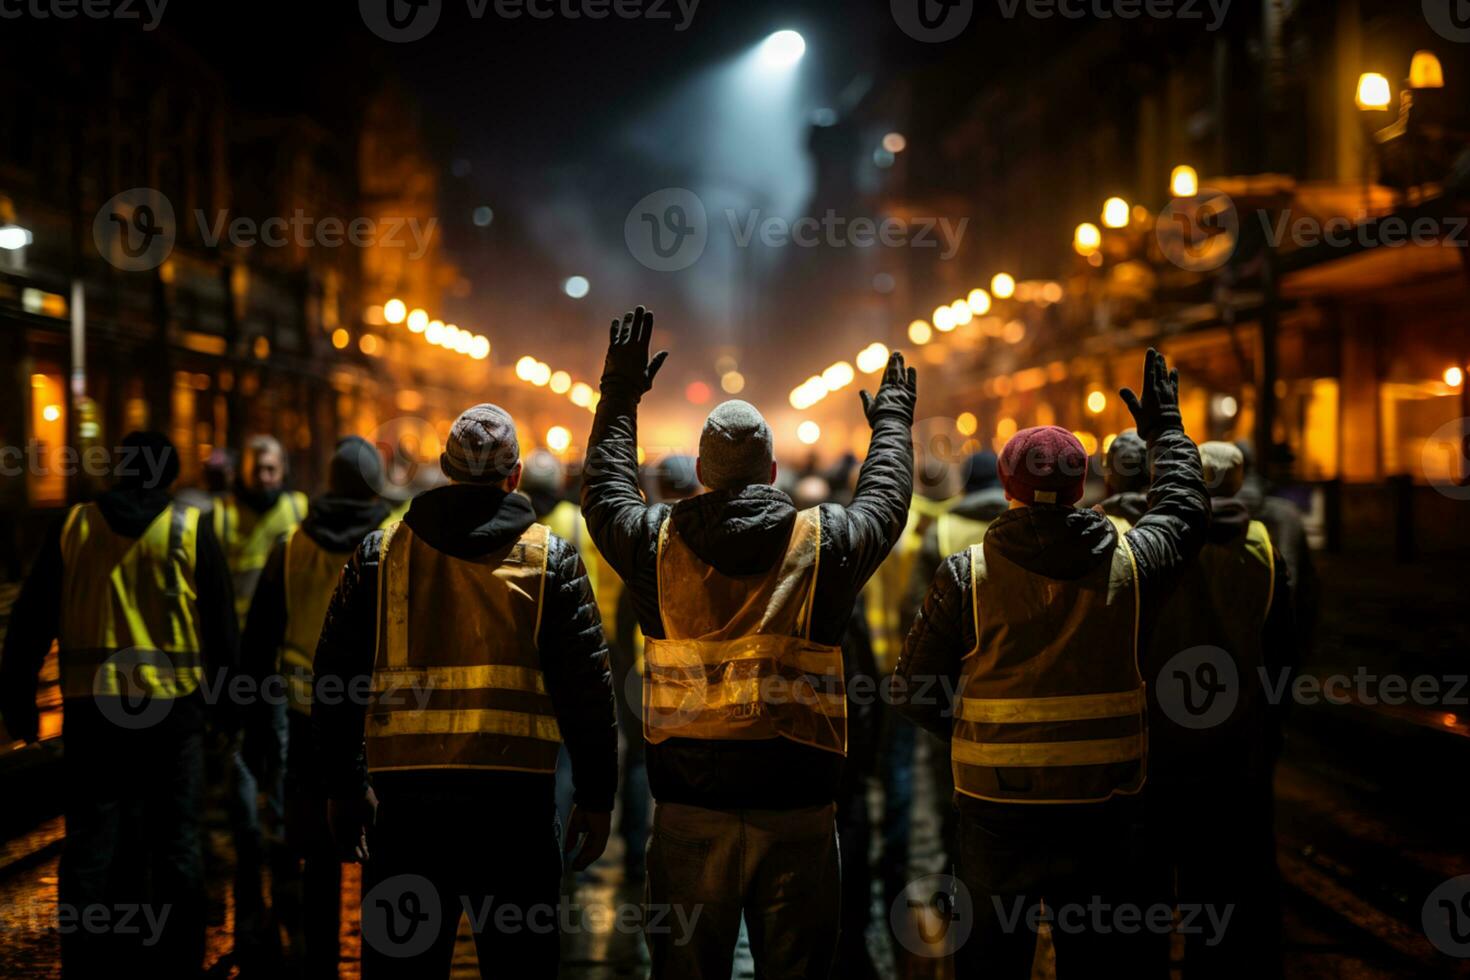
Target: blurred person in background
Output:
[(1209, 799), (249, 521), (482, 624), (736, 589), (136, 592), (1125, 480), (280, 640), (1287, 526), (1039, 629)]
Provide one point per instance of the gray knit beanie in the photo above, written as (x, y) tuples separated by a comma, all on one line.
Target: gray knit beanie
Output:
[(482, 446), (735, 448)]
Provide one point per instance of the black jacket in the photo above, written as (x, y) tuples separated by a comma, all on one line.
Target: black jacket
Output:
[(745, 532), (1061, 543), (466, 522), (35, 620)]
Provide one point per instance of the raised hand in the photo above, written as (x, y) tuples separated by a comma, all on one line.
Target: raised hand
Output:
[(627, 352), (1158, 409), (897, 393)]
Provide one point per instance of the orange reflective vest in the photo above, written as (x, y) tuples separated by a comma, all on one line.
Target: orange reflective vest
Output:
[(738, 661), (457, 680), (1051, 706)]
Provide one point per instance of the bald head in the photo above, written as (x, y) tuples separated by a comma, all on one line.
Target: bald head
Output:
[(735, 448)]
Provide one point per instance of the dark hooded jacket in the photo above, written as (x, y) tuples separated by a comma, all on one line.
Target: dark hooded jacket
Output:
[(1129, 505), (35, 620), (745, 531), (466, 522), (1059, 543)]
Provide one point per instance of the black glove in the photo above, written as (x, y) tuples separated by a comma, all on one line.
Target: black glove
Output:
[(627, 363), (896, 395), (1158, 410)]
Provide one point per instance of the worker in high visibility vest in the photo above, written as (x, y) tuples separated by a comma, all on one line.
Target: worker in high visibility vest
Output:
[(1209, 796), (1125, 480), (279, 645), (249, 522), (743, 601), (135, 591), (1038, 630), (463, 648)]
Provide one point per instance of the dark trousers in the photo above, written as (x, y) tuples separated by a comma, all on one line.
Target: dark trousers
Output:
[(854, 833), (131, 889), (308, 875), (434, 858), (257, 785), (896, 772), (1076, 864), (708, 868)]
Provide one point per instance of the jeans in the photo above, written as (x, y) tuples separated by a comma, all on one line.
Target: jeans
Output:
[(434, 858), (308, 874), (708, 868), (896, 772), (133, 801), (1013, 858)]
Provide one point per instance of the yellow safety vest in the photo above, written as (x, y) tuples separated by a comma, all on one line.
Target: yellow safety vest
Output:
[(1123, 524), (247, 539), (956, 533), (457, 680), (884, 593), (311, 574), (137, 595), (1051, 706), (738, 662)]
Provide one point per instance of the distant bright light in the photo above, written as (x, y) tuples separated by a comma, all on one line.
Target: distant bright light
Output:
[(368, 344), (809, 432), (967, 423), (1014, 332), (542, 376), (895, 143), (1115, 213), (1087, 239), (978, 301), (872, 358), (1454, 377), (943, 319), (480, 347), (1096, 402), (697, 392), (561, 382), (961, 312), (341, 338), (1003, 285), (1184, 182), (394, 311), (418, 321), (576, 287), (1051, 292), (733, 382), (483, 216), (1374, 91), (435, 333), (558, 438), (1228, 406), (838, 376), (51, 413), (782, 50), (14, 236), (526, 368), (581, 394), (920, 332)]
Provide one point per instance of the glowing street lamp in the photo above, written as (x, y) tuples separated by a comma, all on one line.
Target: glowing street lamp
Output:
[(782, 50), (1184, 181), (1088, 239), (1003, 285), (394, 311), (1374, 92), (1115, 213)]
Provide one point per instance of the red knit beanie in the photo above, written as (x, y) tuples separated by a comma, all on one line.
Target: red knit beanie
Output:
[(1043, 465)]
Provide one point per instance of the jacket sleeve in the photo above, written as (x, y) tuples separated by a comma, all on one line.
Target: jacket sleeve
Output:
[(621, 522), (1170, 533), (574, 660), (927, 677), (343, 674), (857, 538), (926, 565), (35, 623)]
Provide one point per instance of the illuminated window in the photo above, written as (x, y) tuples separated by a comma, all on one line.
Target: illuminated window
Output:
[(46, 478)]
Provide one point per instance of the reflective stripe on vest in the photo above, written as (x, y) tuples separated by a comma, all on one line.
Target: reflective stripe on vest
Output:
[(248, 538), (1052, 706), (738, 662), (130, 622), (457, 680), (311, 574)]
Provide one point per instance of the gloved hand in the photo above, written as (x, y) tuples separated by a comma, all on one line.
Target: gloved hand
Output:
[(594, 829), (627, 361), (896, 394), (350, 820), (1158, 410)]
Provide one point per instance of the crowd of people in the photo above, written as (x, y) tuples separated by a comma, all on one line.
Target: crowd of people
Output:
[(749, 666)]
